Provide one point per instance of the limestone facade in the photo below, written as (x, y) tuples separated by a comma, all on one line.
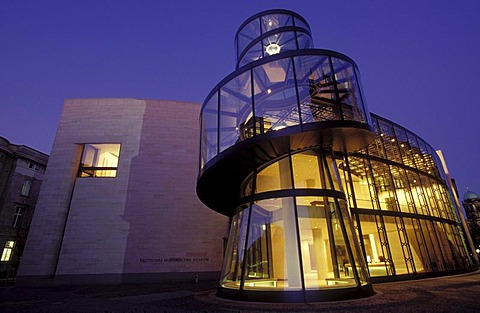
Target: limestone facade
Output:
[(144, 224)]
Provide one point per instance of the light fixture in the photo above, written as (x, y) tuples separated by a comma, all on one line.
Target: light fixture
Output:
[(272, 48), (269, 91)]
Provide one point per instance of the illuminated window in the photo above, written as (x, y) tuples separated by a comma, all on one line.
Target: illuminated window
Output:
[(99, 160), (18, 216), (7, 251), (27, 185)]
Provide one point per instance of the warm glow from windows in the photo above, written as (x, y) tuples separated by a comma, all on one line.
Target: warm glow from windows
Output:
[(100, 160), (7, 251)]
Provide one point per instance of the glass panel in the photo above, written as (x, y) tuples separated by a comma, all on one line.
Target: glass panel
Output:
[(428, 194), (99, 160), (384, 186), (325, 259), (235, 109), (436, 258), (301, 23), (275, 96), (389, 141), (272, 251), (402, 189), (362, 188), (306, 171), (209, 129), (315, 88), (234, 254), (456, 237), (310, 173), (368, 117), (304, 41), (395, 245), (376, 248), (418, 245), (273, 21), (276, 176), (253, 54), (376, 147), (352, 242), (453, 259), (248, 33), (348, 92)]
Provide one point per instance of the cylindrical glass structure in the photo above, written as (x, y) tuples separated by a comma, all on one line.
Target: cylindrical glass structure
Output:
[(323, 196), (299, 88), (271, 33)]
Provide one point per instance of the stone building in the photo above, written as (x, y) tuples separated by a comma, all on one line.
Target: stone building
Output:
[(118, 202), (21, 174), (471, 204)]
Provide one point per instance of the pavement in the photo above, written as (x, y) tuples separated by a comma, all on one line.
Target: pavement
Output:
[(459, 293)]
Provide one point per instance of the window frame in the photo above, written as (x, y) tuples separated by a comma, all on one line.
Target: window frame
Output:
[(90, 171), (7, 251), (18, 216), (26, 188)]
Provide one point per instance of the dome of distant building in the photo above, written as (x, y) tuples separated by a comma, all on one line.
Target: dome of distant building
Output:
[(470, 195)]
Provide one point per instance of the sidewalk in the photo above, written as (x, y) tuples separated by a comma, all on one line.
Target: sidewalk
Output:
[(459, 293)]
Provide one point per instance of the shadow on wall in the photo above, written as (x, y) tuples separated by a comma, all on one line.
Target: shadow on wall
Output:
[(171, 235)]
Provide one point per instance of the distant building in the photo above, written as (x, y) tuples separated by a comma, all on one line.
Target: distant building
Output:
[(471, 204), (21, 174)]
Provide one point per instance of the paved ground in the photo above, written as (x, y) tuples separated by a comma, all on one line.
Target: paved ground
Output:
[(447, 294)]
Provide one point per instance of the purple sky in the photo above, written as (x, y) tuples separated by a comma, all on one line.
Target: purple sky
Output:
[(419, 60)]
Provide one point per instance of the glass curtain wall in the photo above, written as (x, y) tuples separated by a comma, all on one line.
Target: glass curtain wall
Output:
[(283, 242), (285, 92), (396, 190)]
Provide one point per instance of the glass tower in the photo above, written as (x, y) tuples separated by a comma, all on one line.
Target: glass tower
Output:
[(290, 153)]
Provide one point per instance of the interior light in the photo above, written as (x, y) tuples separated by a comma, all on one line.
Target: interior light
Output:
[(269, 91), (270, 23), (272, 49), (279, 126)]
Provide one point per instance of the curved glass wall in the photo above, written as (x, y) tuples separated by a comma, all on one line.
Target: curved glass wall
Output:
[(302, 242), (404, 219), (268, 34), (399, 197), (272, 94)]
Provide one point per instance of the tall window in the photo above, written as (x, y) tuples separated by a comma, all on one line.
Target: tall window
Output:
[(99, 160), (27, 185), (7, 251), (18, 217)]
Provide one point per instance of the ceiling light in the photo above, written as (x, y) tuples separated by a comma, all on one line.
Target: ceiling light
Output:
[(272, 49)]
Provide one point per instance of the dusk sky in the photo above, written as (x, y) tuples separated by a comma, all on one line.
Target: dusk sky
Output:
[(419, 60)]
